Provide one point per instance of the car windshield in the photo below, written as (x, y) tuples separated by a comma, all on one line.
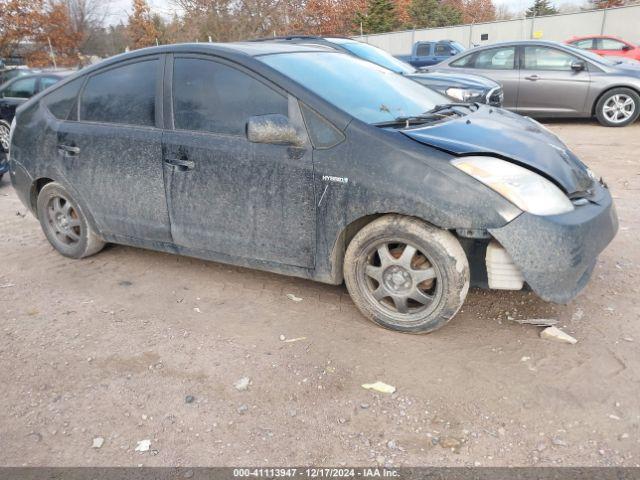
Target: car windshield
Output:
[(458, 46), (362, 89), (379, 57)]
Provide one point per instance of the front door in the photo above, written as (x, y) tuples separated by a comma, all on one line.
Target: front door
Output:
[(549, 85), (112, 154), (225, 194)]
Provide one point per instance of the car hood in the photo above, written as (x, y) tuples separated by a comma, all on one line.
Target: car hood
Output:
[(455, 80), (500, 133)]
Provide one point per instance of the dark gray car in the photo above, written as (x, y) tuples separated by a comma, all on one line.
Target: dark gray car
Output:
[(270, 156), (458, 86), (549, 79)]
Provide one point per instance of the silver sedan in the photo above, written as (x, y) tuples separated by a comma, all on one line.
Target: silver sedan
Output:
[(550, 79)]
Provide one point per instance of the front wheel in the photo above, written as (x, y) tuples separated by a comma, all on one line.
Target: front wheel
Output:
[(406, 275), (618, 107), (5, 131)]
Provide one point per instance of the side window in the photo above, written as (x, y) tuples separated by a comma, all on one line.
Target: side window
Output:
[(213, 97), (496, 59), (442, 50), (322, 133), (24, 88), (586, 44), (423, 50), (544, 58), (611, 44), (61, 101), (464, 62), (123, 95), (46, 82)]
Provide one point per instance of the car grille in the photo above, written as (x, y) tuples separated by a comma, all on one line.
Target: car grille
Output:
[(495, 97)]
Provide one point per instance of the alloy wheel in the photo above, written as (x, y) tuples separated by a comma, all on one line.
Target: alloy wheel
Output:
[(4, 137), (619, 108), (63, 221), (400, 278)]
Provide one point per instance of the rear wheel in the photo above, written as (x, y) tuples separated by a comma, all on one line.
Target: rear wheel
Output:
[(406, 275), (64, 224), (618, 107)]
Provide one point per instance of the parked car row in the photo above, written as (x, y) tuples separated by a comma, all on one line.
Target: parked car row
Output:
[(14, 93), (306, 161), (549, 79)]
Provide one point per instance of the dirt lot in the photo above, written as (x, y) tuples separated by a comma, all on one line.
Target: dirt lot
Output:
[(111, 347)]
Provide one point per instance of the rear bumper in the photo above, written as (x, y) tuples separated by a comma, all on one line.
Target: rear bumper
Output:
[(557, 254)]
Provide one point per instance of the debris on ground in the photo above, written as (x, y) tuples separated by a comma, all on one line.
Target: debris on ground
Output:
[(538, 322), (291, 340), (282, 338), (554, 333), (450, 442), (379, 387), (97, 442), (293, 298), (8, 285), (242, 409), (143, 445), (242, 384), (189, 399)]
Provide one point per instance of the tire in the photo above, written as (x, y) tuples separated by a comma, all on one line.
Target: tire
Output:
[(5, 130), (64, 224), (618, 107), (406, 275)]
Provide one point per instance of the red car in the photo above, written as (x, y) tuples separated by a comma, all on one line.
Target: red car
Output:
[(607, 45)]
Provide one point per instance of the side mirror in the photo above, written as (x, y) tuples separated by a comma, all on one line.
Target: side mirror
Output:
[(453, 52), (626, 48), (578, 66), (274, 129)]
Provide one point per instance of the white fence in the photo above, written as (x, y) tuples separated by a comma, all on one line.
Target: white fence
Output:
[(623, 22)]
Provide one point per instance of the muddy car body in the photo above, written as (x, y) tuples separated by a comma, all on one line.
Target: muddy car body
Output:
[(286, 168)]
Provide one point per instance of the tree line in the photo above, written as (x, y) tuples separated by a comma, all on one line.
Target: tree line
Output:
[(72, 31)]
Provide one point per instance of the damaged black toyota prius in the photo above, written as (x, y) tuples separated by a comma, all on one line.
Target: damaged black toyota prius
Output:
[(311, 163)]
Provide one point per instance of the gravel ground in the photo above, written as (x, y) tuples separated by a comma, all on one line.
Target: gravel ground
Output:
[(135, 345)]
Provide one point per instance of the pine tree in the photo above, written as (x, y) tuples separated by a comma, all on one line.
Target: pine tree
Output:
[(433, 13), (541, 7), (379, 17)]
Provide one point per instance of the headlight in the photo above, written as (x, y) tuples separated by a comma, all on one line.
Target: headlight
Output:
[(525, 189), (464, 94)]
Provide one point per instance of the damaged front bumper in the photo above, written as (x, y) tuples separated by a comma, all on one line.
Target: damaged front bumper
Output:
[(557, 254)]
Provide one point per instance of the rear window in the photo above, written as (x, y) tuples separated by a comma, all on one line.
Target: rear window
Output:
[(61, 101), (124, 95)]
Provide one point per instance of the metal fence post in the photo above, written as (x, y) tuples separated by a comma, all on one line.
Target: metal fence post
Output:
[(604, 20)]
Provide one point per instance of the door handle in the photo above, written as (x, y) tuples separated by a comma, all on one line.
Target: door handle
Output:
[(69, 150), (533, 78), (181, 164)]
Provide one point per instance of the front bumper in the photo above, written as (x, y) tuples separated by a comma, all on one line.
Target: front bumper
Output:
[(558, 253)]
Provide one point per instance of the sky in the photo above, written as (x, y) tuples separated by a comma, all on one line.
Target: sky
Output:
[(119, 9)]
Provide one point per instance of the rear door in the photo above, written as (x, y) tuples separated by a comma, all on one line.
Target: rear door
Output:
[(548, 84), (499, 64), (424, 54), (112, 152), (225, 194)]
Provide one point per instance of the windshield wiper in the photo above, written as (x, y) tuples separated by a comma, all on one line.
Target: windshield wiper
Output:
[(449, 106), (429, 115)]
